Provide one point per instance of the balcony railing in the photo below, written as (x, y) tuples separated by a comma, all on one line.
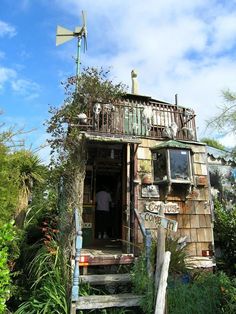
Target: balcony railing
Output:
[(150, 120)]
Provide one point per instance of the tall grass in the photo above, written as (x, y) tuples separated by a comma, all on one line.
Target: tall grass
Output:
[(48, 274), (208, 293)]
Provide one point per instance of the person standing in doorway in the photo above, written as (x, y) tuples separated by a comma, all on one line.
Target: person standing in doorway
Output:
[(103, 206)]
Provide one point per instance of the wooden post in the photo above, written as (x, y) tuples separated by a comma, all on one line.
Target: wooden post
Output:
[(78, 246), (148, 240), (160, 250), (161, 295)]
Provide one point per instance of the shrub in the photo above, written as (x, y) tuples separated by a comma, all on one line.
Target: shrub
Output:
[(7, 235), (208, 293), (224, 231)]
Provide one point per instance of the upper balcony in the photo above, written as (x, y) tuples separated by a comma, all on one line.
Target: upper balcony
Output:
[(141, 117)]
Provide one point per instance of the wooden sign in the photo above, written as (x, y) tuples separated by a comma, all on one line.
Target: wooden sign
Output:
[(169, 208), (153, 221)]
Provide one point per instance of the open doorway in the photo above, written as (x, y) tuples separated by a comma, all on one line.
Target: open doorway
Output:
[(110, 180), (105, 169)]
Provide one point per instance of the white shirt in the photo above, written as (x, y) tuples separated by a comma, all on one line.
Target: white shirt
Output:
[(103, 199)]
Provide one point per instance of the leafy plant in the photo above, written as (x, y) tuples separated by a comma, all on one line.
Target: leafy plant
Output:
[(208, 293), (224, 230), (143, 284), (48, 275), (178, 256), (7, 235)]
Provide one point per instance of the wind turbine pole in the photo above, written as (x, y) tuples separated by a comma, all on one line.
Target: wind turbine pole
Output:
[(78, 63), (63, 35)]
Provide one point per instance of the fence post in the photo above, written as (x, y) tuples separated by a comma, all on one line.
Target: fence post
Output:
[(160, 250), (78, 246), (148, 252), (161, 294)]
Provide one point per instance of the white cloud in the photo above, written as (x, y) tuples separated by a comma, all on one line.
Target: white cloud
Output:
[(7, 29), (26, 88), (23, 87), (228, 140), (6, 74), (179, 47)]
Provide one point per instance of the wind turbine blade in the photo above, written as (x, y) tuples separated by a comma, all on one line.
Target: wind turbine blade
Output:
[(85, 43), (84, 17), (63, 35)]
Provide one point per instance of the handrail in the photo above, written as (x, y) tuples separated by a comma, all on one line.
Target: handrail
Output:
[(78, 246), (148, 241)]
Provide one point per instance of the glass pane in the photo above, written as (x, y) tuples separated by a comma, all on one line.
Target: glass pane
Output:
[(179, 164), (160, 170)]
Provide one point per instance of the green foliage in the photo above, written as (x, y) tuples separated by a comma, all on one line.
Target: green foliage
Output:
[(213, 143), (143, 284), (208, 293), (9, 190), (47, 273), (7, 234), (226, 120), (178, 256), (94, 85), (224, 230)]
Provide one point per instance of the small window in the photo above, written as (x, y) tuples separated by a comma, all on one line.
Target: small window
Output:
[(179, 164), (172, 165), (160, 166)]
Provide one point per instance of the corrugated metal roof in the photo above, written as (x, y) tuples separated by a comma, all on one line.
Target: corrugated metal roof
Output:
[(219, 154)]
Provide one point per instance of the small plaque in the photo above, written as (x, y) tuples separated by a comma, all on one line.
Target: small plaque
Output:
[(151, 190)]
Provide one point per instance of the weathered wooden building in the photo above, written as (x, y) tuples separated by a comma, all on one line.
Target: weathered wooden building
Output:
[(147, 153)]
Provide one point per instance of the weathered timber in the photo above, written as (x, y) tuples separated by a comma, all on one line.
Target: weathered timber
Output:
[(106, 301), (161, 294), (160, 251), (105, 279)]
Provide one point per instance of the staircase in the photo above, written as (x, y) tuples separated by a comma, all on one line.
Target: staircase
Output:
[(108, 283), (112, 290)]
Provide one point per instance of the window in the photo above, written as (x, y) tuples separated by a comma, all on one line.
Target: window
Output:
[(179, 164), (172, 164), (160, 166)]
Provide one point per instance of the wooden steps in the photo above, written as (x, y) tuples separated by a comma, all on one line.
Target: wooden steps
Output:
[(108, 301), (114, 288), (106, 279)]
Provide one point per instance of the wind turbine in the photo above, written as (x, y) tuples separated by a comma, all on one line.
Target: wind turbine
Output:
[(63, 35)]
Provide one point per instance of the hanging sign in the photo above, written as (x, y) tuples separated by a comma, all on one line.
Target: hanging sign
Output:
[(153, 221), (169, 208)]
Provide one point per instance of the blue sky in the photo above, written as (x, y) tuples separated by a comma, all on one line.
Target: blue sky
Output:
[(184, 47)]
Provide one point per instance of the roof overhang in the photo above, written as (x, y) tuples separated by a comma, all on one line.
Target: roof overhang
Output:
[(110, 139)]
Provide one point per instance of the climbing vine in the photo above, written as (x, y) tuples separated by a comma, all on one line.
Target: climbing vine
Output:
[(67, 143)]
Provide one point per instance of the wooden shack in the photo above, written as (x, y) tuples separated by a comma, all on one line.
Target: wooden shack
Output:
[(147, 154)]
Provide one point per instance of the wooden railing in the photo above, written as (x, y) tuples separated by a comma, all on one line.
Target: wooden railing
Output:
[(77, 249), (148, 241), (152, 120)]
